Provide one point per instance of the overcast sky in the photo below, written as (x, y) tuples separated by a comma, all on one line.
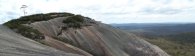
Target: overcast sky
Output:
[(107, 11)]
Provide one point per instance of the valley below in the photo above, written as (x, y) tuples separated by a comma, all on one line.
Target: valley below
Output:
[(177, 39)]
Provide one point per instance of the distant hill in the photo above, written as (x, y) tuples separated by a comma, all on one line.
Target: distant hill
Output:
[(158, 28), (177, 39)]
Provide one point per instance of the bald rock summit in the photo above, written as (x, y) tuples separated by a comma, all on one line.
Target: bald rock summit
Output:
[(66, 34)]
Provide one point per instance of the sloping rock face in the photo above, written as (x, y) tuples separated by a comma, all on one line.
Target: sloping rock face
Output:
[(13, 44), (96, 40)]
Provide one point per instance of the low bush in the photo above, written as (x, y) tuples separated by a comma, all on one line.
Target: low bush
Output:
[(74, 21)]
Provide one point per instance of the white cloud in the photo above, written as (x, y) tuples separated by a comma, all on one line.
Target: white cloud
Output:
[(107, 11)]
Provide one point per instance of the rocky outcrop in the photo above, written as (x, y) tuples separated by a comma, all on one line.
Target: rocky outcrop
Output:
[(13, 44), (98, 39)]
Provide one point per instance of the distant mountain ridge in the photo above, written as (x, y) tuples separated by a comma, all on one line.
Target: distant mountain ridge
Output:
[(158, 28)]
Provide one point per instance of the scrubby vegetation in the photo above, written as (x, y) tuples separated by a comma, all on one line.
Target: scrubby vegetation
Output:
[(37, 17), (176, 45), (18, 24), (74, 21), (29, 32)]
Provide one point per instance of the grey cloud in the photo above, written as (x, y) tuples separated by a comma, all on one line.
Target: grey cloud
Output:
[(160, 10), (116, 13), (50, 0), (5, 18), (11, 13), (163, 1), (93, 7), (105, 11), (190, 0)]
